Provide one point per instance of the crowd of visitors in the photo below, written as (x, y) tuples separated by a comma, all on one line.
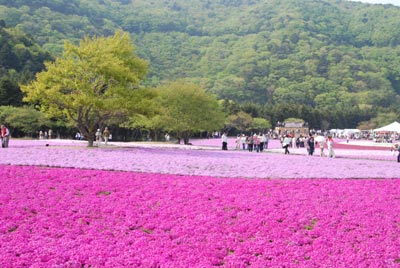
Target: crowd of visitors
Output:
[(386, 137), (100, 136), (310, 143), (253, 142), (259, 142), (47, 134)]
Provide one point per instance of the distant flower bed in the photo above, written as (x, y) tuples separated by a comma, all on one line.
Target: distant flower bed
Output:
[(231, 163), (55, 217), (30, 143)]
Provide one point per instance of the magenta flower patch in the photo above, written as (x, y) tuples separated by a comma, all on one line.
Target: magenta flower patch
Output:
[(55, 217)]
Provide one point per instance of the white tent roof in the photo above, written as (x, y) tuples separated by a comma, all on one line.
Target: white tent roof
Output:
[(394, 127), (351, 130)]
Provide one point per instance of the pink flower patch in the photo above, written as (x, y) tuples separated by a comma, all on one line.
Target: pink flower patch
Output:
[(60, 217)]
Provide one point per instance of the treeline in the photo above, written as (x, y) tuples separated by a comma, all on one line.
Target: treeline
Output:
[(317, 118), (329, 62)]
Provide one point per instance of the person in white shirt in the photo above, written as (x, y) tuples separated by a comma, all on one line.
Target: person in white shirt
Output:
[(294, 142), (238, 142), (224, 141), (243, 141), (266, 140), (262, 141), (98, 136), (330, 143), (321, 146), (286, 142)]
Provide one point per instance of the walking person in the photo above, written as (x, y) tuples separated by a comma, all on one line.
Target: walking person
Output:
[(266, 140), (330, 143), (293, 144), (98, 137), (106, 135), (396, 147), (256, 143), (310, 145), (321, 142), (238, 141), (5, 136), (250, 143), (243, 141), (398, 156), (262, 141), (286, 142), (167, 137), (224, 141)]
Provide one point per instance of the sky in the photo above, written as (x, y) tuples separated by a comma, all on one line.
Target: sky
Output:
[(394, 2)]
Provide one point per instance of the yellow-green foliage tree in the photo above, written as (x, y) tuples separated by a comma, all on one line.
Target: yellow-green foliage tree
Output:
[(260, 124), (186, 109), (90, 83), (240, 121)]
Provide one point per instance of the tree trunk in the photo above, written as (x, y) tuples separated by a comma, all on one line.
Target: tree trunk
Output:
[(186, 135), (90, 142), (88, 134), (155, 135)]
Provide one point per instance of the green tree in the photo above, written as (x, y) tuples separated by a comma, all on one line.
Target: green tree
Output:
[(149, 118), (90, 83), (382, 119), (294, 120), (240, 121), (187, 109), (23, 120), (260, 124), (10, 93)]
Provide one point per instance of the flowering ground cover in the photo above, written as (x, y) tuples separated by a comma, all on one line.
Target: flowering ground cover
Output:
[(202, 162), (363, 145), (58, 217), (163, 205), (275, 143), (352, 152)]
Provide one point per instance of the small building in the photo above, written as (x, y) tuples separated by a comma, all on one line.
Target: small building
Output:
[(294, 128)]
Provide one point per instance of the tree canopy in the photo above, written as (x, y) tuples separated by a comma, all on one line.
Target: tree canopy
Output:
[(90, 83), (23, 121), (186, 109)]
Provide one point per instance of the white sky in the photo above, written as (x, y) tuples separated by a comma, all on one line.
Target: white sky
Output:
[(394, 2)]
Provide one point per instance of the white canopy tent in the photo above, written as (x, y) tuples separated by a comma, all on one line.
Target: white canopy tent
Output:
[(349, 131), (393, 127), (344, 132)]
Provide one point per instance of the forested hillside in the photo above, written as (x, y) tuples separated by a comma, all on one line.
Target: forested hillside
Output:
[(20, 59), (333, 56)]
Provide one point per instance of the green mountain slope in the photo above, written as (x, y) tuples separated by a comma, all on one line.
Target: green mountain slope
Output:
[(322, 53), (20, 59)]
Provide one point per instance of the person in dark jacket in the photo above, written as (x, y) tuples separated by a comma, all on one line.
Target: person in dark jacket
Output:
[(310, 145)]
